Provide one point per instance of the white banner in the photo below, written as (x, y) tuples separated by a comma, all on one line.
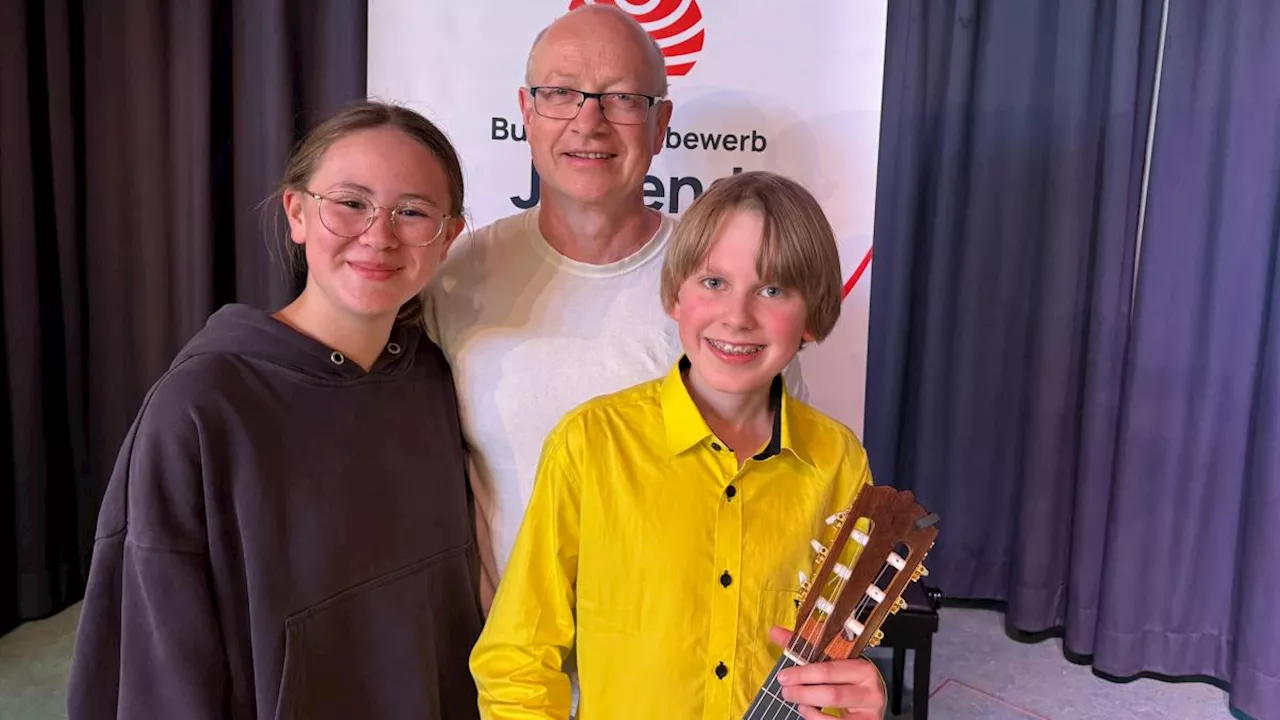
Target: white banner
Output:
[(791, 87)]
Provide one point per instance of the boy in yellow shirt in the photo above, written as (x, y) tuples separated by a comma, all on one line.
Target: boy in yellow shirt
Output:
[(669, 521)]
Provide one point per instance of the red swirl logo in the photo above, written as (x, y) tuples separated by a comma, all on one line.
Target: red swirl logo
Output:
[(676, 25)]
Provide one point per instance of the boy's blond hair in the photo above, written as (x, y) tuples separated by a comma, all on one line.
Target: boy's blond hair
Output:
[(798, 250)]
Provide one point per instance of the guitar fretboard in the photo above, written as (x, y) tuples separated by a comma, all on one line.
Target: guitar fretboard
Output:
[(769, 704)]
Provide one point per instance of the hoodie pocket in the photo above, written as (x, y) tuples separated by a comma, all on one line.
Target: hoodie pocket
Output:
[(395, 646)]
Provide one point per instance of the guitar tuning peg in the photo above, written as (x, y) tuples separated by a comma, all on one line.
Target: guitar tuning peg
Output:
[(837, 520), (898, 604), (919, 572), (875, 639), (821, 551), (804, 579)]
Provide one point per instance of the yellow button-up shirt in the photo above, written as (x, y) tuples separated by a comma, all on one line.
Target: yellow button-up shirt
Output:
[(647, 551)]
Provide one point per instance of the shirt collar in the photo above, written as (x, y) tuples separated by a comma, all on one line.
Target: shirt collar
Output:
[(686, 427)]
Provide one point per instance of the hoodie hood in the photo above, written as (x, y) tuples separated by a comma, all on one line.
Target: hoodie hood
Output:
[(255, 335)]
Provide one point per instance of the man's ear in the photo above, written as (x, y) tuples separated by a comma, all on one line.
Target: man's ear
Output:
[(295, 210), (664, 110), (526, 106)]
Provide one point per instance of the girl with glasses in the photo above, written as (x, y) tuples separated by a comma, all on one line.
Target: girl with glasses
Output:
[(287, 532)]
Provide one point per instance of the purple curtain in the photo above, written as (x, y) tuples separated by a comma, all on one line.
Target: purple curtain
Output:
[(1103, 455), (1011, 158), (136, 143), (1189, 579)]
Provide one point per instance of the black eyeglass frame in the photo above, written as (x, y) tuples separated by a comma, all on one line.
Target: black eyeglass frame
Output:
[(599, 98)]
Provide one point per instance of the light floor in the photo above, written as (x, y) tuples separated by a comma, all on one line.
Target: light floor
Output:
[(978, 672)]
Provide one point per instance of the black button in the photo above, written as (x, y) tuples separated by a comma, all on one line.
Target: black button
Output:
[(730, 491), (726, 579), (715, 446), (721, 671)]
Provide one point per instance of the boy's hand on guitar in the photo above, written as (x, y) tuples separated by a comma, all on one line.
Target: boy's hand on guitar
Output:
[(854, 685)]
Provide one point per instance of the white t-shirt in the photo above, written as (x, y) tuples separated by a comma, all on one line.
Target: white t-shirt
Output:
[(532, 334)]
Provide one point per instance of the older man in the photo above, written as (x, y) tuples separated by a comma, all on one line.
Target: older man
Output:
[(543, 310), (548, 308)]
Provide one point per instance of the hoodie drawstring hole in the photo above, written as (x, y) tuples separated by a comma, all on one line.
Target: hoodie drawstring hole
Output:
[(393, 348), (337, 358)]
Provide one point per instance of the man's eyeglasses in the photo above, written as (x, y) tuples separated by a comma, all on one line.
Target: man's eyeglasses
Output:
[(350, 214), (619, 108)]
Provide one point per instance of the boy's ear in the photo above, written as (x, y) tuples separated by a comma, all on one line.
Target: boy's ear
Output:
[(808, 337), (674, 310)]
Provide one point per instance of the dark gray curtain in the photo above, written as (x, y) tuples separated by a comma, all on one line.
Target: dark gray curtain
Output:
[(1111, 476), (1191, 579), (137, 140)]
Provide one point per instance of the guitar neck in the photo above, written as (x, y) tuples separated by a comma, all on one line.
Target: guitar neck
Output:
[(769, 704), (844, 605)]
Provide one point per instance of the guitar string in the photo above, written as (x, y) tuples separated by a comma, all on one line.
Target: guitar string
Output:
[(789, 707), (796, 638), (793, 646)]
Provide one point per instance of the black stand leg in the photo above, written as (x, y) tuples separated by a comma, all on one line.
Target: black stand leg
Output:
[(899, 676), (920, 691)]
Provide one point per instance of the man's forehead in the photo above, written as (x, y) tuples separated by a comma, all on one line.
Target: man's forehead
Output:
[(576, 77), (605, 55)]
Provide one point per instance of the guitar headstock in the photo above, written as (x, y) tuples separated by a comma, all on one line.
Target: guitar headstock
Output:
[(848, 599)]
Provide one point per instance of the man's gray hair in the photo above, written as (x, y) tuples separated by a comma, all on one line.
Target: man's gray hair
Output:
[(657, 63)]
